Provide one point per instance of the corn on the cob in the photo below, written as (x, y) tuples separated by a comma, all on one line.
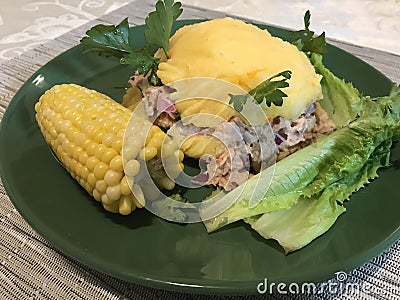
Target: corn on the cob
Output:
[(86, 131)]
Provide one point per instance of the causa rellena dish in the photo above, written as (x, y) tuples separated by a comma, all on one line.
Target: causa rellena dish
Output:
[(322, 138)]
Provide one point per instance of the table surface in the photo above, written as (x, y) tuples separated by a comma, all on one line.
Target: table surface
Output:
[(33, 32), (25, 24)]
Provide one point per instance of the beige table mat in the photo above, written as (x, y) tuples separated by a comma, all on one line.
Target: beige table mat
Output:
[(31, 268)]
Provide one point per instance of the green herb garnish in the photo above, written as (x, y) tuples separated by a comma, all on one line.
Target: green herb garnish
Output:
[(305, 41), (115, 40), (159, 23), (111, 40), (268, 92)]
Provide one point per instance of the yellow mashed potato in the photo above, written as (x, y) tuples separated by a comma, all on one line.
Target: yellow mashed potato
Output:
[(242, 54)]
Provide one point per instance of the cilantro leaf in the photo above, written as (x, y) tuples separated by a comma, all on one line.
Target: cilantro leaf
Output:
[(268, 92), (108, 40), (305, 41), (159, 23)]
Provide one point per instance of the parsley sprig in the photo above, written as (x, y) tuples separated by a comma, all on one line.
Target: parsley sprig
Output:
[(159, 23), (305, 40), (268, 92), (115, 40)]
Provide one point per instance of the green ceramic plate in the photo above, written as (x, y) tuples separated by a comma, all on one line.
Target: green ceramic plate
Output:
[(148, 250)]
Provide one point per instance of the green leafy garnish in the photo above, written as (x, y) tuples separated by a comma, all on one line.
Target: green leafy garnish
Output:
[(305, 41), (159, 23), (140, 61), (115, 40), (238, 101), (111, 40), (108, 40), (268, 92)]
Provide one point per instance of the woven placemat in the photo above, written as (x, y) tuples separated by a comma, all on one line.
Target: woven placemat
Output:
[(31, 268)]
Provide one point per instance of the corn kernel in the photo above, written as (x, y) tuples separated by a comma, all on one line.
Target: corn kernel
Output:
[(108, 155), (85, 144), (65, 125), (148, 153), (126, 205), (153, 129), (78, 168), (114, 128), (80, 138), (121, 134), (132, 168), (105, 199), (76, 152), (72, 133), (91, 163), (96, 195), (117, 144), (112, 178), (73, 165), (113, 192), (106, 124), (91, 148), (165, 183), (156, 140), (101, 186), (131, 151), (88, 188), (180, 154), (88, 128), (53, 132), (98, 137), (83, 157), (82, 181), (91, 179), (85, 172), (108, 139), (77, 120), (113, 207), (137, 203), (100, 151), (116, 163), (100, 170), (125, 186)]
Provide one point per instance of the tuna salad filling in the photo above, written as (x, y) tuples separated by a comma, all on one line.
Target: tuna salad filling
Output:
[(248, 149)]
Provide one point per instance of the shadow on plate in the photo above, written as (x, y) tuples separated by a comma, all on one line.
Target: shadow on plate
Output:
[(138, 218)]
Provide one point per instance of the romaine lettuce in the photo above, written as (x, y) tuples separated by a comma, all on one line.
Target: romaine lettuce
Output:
[(309, 187)]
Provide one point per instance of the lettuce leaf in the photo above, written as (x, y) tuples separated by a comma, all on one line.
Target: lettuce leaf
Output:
[(297, 226), (338, 95)]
